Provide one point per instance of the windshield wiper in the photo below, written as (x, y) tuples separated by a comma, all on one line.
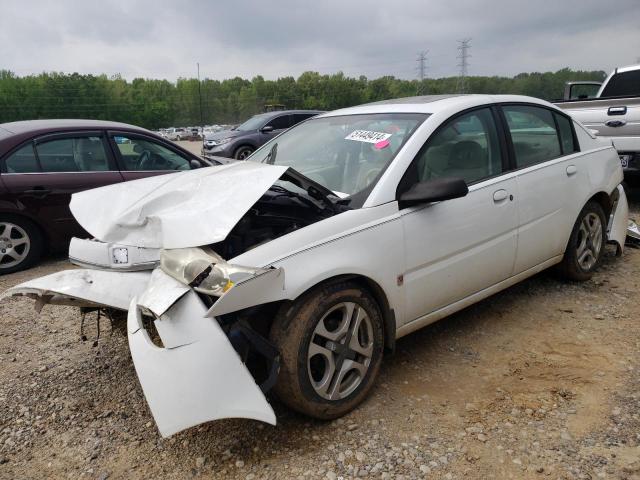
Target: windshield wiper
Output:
[(315, 190)]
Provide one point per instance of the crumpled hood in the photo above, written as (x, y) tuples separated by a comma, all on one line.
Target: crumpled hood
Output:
[(186, 209)]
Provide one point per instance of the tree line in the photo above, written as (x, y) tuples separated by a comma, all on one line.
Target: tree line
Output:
[(155, 104)]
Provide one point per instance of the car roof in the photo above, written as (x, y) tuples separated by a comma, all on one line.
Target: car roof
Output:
[(431, 104), (33, 126), (287, 112)]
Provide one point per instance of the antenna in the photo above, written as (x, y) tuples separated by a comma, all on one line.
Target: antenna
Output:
[(463, 56)]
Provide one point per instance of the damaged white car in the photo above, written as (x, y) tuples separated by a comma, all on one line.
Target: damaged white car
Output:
[(295, 271)]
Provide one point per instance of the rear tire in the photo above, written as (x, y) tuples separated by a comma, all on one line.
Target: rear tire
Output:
[(331, 343), (21, 243), (586, 245)]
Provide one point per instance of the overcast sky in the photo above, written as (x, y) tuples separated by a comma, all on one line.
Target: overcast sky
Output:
[(273, 38)]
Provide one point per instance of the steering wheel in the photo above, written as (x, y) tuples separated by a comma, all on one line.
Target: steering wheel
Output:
[(145, 160)]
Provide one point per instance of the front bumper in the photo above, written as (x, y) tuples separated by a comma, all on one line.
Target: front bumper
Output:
[(224, 150), (195, 375)]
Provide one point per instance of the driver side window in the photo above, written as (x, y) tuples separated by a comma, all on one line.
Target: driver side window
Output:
[(466, 147), (140, 154)]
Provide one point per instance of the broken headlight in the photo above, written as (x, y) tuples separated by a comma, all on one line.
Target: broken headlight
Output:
[(202, 269)]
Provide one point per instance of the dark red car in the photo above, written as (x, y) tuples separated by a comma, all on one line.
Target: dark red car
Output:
[(42, 162)]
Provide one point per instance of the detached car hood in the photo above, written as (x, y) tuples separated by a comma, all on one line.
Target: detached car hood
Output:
[(186, 209)]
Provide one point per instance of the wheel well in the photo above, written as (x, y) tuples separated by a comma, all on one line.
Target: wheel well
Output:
[(605, 201), (244, 145), (388, 315)]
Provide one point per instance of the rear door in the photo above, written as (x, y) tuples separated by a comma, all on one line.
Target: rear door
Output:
[(43, 174), (139, 156), (551, 180)]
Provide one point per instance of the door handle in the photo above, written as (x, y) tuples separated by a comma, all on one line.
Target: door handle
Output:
[(500, 195), (38, 192), (615, 123), (572, 170)]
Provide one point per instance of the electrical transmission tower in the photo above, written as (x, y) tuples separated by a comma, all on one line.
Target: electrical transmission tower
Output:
[(422, 69), (463, 56)]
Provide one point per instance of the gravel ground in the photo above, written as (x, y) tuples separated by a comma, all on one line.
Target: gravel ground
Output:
[(539, 381)]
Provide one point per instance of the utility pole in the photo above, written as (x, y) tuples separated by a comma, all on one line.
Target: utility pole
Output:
[(463, 56), (422, 68), (200, 96)]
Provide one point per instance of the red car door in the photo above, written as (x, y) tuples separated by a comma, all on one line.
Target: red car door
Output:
[(58, 166)]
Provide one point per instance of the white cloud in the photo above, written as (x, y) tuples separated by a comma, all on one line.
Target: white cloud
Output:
[(143, 38)]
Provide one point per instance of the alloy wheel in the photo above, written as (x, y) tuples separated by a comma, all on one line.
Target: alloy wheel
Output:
[(340, 351), (14, 245), (589, 241)]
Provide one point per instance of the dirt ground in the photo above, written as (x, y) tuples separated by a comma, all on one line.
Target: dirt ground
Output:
[(539, 381)]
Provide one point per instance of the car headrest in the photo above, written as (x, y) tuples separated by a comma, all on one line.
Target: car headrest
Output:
[(467, 154)]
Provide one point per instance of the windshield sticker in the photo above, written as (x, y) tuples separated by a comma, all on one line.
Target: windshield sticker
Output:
[(382, 144), (368, 136)]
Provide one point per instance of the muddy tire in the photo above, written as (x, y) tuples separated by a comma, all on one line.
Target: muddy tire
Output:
[(331, 343), (586, 245)]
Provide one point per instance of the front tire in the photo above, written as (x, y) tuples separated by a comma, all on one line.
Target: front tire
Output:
[(331, 343), (586, 245), (243, 152), (20, 244)]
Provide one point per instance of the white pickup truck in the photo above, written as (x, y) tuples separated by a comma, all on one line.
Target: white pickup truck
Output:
[(614, 111)]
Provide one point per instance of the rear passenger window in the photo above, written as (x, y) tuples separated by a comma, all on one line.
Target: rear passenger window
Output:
[(467, 147), (79, 154), (534, 135), (22, 160), (566, 134)]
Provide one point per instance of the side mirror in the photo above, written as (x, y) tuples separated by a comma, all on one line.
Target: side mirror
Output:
[(267, 129), (195, 163), (435, 190)]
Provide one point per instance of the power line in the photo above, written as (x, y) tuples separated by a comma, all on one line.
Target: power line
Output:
[(422, 67), (463, 56)]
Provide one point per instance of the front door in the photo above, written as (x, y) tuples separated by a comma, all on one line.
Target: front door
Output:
[(458, 247), (139, 156)]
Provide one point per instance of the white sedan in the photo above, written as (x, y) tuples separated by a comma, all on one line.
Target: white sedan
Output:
[(294, 272)]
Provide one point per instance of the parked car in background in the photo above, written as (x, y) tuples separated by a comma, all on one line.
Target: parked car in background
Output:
[(177, 134), (295, 270), (43, 162), (243, 140), (614, 112)]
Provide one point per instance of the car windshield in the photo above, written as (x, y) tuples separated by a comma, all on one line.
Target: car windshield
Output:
[(345, 154), (253, 123)]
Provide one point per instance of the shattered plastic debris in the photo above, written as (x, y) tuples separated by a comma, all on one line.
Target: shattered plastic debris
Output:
[(633, 234)]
